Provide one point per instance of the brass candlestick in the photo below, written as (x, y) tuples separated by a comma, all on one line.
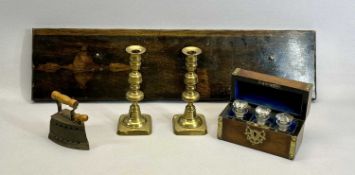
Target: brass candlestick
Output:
[(190, 123), (135, 123)]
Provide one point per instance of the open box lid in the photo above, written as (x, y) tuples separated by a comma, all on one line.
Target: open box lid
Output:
[(293, 97)]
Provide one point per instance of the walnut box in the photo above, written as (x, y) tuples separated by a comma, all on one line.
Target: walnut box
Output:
[(281, 96)]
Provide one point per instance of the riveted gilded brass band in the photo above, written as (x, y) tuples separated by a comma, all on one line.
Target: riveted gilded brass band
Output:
[(292, 147)]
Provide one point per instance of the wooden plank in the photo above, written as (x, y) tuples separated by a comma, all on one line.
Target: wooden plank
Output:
[(100, 70)]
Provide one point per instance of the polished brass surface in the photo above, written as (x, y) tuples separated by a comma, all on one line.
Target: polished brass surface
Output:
[(180, 129), (293, 147), (135, 123), (255, 136), (190, 123), (126, 127)]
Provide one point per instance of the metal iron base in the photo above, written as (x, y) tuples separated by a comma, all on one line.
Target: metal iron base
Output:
[(66, 132)]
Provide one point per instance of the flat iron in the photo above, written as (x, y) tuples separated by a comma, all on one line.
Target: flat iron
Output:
[(66, 127)]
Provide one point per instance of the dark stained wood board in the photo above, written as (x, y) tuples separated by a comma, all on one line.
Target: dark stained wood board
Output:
[(92, 65)]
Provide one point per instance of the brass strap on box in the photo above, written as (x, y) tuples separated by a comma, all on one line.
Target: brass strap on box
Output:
[(293, 145)]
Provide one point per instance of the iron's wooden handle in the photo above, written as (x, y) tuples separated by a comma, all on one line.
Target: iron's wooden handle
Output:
[(81, 117), (64, 99)]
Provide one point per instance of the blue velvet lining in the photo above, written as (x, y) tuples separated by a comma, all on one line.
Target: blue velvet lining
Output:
[(264, 101), (276, 99)]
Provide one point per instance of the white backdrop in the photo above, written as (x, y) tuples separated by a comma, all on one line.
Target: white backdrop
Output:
[(329, 140)]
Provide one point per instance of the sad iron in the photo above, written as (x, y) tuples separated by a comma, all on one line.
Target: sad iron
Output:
[(67, 127)]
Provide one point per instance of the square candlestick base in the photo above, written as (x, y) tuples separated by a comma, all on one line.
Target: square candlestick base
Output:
[(180, 130), (145, 129)]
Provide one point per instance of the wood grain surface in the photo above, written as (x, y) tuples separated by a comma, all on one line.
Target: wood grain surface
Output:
[(92, 65)]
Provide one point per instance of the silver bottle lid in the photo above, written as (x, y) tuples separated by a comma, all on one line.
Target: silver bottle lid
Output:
[(240, 108), (262, 114), (283, 120)]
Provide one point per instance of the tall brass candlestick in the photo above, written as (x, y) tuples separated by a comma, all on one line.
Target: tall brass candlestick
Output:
[(135, 123), (190, 123)]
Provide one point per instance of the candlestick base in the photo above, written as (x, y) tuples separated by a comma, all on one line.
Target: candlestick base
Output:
[(196, 127), (128, 127)]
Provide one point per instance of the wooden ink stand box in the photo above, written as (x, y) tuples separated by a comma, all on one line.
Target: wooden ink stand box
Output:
[(281, 96)]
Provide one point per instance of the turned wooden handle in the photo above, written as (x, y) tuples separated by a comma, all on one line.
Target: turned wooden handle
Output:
[(81, 117), (64, 99)]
